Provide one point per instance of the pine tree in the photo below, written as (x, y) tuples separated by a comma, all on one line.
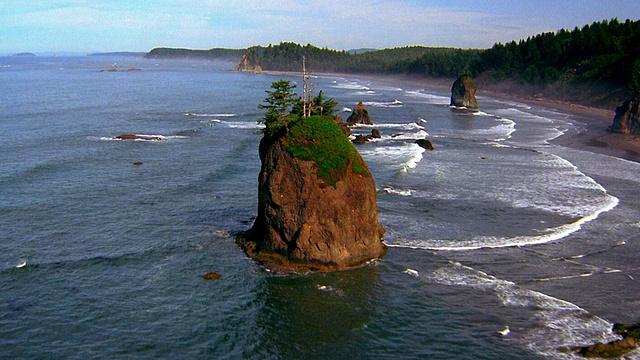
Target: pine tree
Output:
[(278, 105)]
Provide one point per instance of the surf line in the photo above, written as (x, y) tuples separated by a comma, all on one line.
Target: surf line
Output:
[(554, 234)]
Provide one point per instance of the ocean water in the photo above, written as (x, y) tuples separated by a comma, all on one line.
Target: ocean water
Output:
[(103, 242)]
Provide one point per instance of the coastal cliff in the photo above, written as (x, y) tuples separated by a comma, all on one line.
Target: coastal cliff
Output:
[(317, 206)]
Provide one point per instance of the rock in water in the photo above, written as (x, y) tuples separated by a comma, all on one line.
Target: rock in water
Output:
[(627, 119), (463, 93), (317, 206), (360, 115), (425, 143)]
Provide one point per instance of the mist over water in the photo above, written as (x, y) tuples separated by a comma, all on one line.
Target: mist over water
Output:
[(497, 227)]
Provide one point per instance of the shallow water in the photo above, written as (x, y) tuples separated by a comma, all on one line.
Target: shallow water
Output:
[(496, 227)]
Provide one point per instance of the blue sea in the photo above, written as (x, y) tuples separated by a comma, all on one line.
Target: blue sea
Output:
[(103, 242)]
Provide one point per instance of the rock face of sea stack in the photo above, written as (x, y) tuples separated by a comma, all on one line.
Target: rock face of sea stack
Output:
[(360, 115), (627, 119), (313, 217), (463, 93)]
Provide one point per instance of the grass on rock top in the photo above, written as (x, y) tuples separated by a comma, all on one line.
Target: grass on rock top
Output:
[(319, 138)]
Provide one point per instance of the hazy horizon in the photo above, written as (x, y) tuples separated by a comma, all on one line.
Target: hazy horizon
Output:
[(79, 27)]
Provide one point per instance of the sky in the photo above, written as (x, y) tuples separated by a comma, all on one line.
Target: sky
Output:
[(88, 26)]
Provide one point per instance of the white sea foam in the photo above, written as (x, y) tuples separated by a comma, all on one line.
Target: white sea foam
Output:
[(429, 98), (244, 125), (557, 322), (392, 190), (209, 115), (411, 272), (390, 104), (352, 85), (420, 134), (478, 242), (499, 132), (405, 126), (366, 93), (405, 156)]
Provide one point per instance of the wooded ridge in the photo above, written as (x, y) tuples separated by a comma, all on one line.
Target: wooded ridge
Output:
[(604, 53)]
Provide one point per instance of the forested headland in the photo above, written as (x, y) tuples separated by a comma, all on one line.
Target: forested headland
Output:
[(603, 57)]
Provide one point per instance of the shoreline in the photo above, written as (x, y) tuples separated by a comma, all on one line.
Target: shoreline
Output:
[(594, 136)]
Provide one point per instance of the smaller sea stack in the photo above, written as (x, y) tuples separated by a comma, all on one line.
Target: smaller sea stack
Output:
[(463, 93)]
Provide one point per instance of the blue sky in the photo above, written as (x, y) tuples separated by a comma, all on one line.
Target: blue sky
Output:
[(140, 25)]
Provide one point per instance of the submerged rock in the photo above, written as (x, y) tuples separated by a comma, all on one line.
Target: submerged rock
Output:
[(360, 115), (627, 118), (463, 93), (317, 206), (138, 137), (426, 144), (211, 276)]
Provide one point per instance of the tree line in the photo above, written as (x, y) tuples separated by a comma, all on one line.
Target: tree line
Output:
[(604, 51)]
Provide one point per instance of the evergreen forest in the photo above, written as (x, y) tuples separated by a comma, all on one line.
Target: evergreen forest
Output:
[(604, 52)]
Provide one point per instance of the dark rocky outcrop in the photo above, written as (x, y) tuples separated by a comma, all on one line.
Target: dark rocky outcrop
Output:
[(426, 144), (313, 215), (614, 349), (138, 137), (361, 139), (627, 118), (463, 93), (360, 115)]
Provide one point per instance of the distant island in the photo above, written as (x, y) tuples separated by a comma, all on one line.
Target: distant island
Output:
[(25, 54)]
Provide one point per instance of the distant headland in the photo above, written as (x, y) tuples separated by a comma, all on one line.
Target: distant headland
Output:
[(592, 65)]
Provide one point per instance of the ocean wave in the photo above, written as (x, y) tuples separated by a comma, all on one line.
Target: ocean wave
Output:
[(557, 322), (401, 126), (366, 93), (244, 125), (349, 86), (209, 115), (430, 98), (404, 157), (145, 137), (479, 242), (391, 104), (392, 190), (500, 132)]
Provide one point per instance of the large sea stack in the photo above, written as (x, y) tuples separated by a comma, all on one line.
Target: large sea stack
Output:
[(627, 119), (317, 206), (463, 93), (246, 65)]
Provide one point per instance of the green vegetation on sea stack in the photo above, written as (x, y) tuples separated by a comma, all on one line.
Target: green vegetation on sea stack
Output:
[(319, 139), (314, 136)]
